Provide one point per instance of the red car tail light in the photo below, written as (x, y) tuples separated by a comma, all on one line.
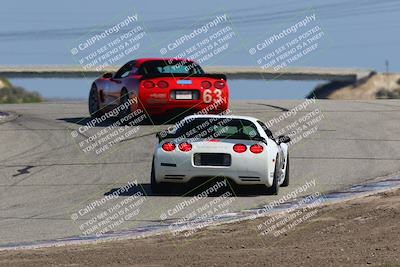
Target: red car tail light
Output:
[(239, 148), (168, 146), (256, 149), (148, 84), (185, 147), (206, 84), (219, 84), (162, 84)]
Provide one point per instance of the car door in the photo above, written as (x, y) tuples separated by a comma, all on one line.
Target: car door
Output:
[(112, 90)]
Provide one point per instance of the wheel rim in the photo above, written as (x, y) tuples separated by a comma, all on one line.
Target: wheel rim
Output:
[(280, 174), (276, 177)]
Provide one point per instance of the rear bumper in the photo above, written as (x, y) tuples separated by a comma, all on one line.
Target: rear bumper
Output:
[(177, 170), (178, 175), (158, 101)]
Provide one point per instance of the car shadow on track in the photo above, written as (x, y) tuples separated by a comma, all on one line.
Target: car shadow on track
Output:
[(188, 190), (110, 121)]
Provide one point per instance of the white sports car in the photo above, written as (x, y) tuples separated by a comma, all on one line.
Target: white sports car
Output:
[(238, 148)]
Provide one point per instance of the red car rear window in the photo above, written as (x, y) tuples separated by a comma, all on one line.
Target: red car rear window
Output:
[(170, 67)]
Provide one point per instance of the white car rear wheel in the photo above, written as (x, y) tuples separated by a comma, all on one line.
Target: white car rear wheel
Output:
[(155, 186), (274, 189), (286, 181)]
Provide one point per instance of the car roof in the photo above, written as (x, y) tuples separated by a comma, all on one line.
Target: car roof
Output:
[(147, 59), (222, 117)]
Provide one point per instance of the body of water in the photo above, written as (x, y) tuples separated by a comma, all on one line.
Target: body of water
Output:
[(350, 34)]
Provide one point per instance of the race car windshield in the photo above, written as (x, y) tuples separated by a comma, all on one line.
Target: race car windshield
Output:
[(212, 128), (170, 67)]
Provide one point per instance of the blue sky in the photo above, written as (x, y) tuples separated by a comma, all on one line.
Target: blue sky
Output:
[(356, 34)]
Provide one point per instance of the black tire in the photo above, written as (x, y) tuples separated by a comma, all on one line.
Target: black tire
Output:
[(94, 103), (124, 99), (157, 187), (286, 181), (274, 189)]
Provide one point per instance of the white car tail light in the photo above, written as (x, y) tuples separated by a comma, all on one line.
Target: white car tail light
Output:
[(239, 148), (168, 146), (256, 149), (185, 147)]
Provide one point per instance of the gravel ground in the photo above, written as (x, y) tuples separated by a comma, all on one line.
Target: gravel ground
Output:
[(363, 231)]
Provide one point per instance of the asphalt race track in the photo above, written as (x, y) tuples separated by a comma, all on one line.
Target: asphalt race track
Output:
[(45, 177)]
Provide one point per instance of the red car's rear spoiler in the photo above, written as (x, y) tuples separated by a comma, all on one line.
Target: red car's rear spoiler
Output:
[(183, 75)]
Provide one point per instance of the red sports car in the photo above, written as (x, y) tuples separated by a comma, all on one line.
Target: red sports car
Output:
[(160, 87)]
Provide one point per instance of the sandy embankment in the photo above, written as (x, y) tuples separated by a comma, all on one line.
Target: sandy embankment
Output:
[(376, 86), (364, 231)]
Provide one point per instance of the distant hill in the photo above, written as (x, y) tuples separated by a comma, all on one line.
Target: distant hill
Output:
[(375, 86), (11, 94)]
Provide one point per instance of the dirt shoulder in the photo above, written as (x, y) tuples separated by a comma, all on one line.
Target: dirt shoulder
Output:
[(364, 231)]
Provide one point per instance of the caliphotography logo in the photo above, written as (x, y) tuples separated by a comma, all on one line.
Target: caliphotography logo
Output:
[(203, 133)]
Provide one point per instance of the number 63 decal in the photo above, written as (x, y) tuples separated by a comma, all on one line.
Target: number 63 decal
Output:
[(207, 95)]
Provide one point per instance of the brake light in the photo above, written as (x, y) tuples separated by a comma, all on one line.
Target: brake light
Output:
[(219, 84), (162, 84), (168, 146), (206, 84), (148, 84), (185, 147), (256, 149), (239, 148)]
